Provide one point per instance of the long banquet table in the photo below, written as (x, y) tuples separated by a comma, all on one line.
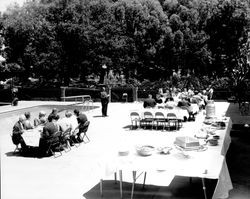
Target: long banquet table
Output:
[(32, 136), (207, 164)]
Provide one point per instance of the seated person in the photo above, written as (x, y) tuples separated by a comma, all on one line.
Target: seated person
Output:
[(27, 123), (17, 132), (169, 96), (65, 122), (197, 99), (149, 102), (55, 112), (41, 119), (185, 104), (49, 130), (170, 103), (158, 99), (81, 119)]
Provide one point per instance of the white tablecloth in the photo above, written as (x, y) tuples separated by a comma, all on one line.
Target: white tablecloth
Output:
[(179, 112), (204, 164), (32, 136)]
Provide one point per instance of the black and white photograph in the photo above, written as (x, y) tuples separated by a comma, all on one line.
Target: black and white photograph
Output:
[(125, 99)]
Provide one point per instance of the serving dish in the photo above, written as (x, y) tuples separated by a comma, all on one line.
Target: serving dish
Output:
[(145, 150), (213, 142)]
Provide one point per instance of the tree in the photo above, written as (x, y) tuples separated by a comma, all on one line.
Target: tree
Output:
[(227, 30)]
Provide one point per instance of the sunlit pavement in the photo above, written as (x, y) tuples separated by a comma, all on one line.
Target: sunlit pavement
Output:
[(75, 172)]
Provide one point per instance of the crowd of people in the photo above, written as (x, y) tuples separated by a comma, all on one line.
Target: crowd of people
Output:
[(52, 126), (174, 97)]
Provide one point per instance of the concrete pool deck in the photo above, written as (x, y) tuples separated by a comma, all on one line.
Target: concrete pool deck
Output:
[(76, 172)]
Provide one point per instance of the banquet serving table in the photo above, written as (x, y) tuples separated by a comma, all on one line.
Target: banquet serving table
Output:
[(208, 163), (32, 136)]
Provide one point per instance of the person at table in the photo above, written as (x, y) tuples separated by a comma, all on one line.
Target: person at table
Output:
[(149, 102), (65, 122), (41, 119), (18, 130), (55, 112), (197, 99), (27, 123), (185, 104), (170, 103), (104, 102), (49, 130), (169, 96), (81, 119), (158, 99)]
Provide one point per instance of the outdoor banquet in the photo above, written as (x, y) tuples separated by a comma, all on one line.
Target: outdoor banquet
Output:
[(114, 153), (138, 99)]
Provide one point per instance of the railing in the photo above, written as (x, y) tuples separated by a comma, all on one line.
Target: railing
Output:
[(84, 99), (81, 97)]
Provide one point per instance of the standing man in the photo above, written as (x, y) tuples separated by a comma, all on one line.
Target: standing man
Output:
[(104, 101), (210, 92)]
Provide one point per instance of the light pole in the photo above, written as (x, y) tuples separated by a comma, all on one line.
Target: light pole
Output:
[(103, 73)]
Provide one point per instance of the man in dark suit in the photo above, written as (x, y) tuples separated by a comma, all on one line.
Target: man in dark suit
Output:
[(149, 102), (49, 131), (104, 101)]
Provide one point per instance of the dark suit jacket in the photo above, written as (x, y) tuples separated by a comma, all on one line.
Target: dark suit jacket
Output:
[(17, 133), (149, 103), (104, 97), (49, 130)]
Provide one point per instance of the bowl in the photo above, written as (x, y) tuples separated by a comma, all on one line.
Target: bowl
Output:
[(213, 142), (145, 150), (216, 137)]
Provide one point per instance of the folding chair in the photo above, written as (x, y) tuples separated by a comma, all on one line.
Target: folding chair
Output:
[(55, 141), (65, 138), (160, 119), (84, 132), (148, 119), (172, 120), (17, 149), (135, 119)]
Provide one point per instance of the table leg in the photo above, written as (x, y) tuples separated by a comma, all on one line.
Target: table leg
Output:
[(115, 175), (144, 180), (101, 188), (133, 185), (204, 187), (120, 173)]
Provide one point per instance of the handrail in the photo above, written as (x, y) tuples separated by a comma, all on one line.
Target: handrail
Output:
[(77, 96)]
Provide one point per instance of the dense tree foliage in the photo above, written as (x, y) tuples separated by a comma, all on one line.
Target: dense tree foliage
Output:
[(143, 39)]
